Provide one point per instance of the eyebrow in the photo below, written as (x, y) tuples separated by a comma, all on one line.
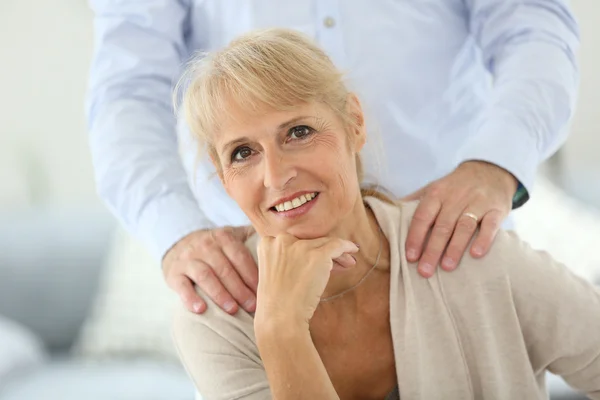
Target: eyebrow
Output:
[(281, 127)]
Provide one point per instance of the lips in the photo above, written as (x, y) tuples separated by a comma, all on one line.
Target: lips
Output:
[(280, 204), (295, 202)]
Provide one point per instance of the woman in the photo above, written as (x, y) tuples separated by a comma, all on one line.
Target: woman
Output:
[(340, 312)]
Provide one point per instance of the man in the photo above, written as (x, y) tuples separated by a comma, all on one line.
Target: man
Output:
[(475, 92)]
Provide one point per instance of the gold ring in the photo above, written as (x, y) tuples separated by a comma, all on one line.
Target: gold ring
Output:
[(471, 215)]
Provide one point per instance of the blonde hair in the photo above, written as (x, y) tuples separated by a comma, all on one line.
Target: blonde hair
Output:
[(275, 69)]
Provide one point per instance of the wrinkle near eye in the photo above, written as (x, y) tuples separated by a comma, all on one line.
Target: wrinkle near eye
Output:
[(230, 174)]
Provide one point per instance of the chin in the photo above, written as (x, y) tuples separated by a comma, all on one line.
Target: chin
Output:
[(309, 231)]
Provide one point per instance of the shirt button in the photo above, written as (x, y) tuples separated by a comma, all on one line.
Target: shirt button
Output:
[(329, 22)]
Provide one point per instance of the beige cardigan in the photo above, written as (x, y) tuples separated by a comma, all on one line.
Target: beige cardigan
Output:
[(488, 330)]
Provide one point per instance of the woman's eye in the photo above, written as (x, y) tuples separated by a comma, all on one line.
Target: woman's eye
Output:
[(241, 154), (300, 132)]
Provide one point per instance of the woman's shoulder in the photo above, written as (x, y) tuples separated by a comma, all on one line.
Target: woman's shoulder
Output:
[(213, 329), (508, 253), (214, 325), (506, 246)]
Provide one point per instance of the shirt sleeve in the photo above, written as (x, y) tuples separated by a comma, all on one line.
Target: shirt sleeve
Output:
[(529, 48), (139, 48), (559, 314)]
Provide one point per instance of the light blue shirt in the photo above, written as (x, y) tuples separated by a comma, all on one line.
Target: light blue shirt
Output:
[(442, 82)]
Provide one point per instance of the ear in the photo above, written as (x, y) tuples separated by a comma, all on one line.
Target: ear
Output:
[(355, 111)]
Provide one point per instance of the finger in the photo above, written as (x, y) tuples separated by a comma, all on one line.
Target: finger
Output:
[(203, 275), (336, 247), (235, 249), (185, 289), (231, 280), (242, 233), (241, 259), (438, 240), (490, 225), (423, 218), (243, 262), (345, 261), (463, 233)]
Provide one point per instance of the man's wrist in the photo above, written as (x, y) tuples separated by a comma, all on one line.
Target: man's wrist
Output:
[(509, 181), (520, 195)]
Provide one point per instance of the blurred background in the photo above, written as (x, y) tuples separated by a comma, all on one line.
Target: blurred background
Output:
[(83, 314)]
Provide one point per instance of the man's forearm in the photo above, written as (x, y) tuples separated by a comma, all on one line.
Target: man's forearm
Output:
[(293, 365), (529, 46), (131, 124)]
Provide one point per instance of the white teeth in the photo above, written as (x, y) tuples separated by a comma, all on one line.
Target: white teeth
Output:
[(297, 202)]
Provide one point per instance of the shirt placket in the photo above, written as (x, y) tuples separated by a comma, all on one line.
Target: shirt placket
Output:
[(329, 30)]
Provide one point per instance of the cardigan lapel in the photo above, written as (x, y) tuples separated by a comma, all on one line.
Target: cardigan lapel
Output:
[(429, 359)]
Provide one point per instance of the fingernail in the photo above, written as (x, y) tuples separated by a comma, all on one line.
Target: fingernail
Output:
[(412, 254), (249, 305), (197, 307), (447, 262), (477, 250), (427, 269), (229, 306)]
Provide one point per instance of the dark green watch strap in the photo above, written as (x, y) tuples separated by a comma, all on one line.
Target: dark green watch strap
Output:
[(521, 196)]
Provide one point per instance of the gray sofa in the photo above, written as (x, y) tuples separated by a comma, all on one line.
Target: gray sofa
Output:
[(50, 262)]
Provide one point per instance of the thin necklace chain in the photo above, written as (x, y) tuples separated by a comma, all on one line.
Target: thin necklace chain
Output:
[(343, 292)]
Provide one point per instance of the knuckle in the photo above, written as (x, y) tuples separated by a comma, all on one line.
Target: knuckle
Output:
[(223, 235), (493, 222), (187, 253), (422, 216), (444, 229), (201, 275), (285, 239), (436, 190), (265, 242), (480, 193), (466, 224), (205, 241), (181, 286), (172, 269), (224, 273), (243, 259)]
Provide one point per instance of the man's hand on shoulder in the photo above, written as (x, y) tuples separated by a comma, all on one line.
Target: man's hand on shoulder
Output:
[(217, 261), (475, 194)]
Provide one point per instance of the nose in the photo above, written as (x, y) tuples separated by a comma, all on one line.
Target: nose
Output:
[(278, 170)]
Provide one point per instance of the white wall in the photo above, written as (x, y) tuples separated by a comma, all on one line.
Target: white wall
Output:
[(580, 157), (45, 49)]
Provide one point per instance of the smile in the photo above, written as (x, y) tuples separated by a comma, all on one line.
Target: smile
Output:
[(295, 203)]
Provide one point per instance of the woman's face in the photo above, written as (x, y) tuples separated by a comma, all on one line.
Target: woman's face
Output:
[(291, 171)]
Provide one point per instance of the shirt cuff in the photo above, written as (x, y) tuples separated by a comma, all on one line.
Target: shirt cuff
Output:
[(507, 146), (166, 220)]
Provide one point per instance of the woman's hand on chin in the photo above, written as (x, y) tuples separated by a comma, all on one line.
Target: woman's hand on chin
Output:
[(293, 274)]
